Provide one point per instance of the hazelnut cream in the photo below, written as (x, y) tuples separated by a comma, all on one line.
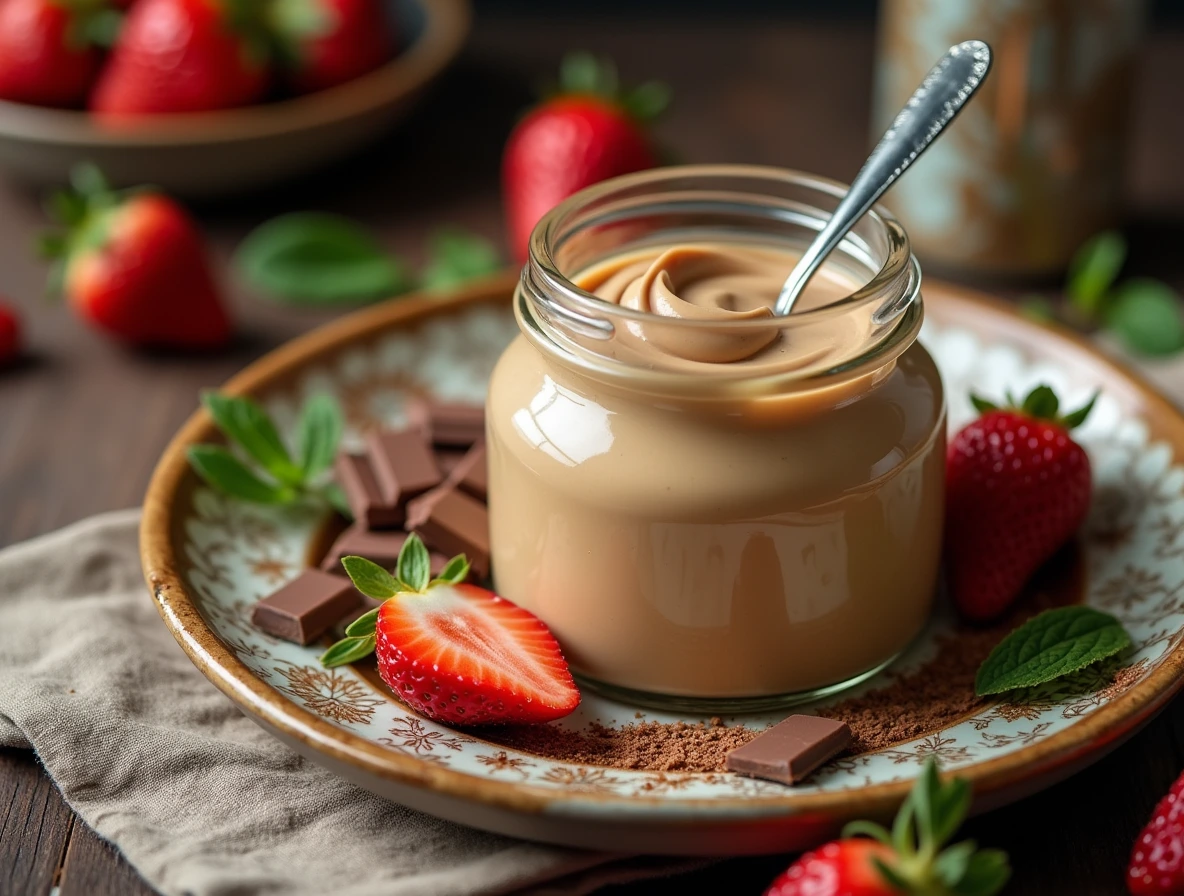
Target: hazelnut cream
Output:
[(708, 543)]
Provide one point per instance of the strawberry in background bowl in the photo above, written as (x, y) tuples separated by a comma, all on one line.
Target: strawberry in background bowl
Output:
[(215, 97)]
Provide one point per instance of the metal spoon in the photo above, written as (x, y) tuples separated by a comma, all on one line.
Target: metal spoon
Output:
[(940, 97)]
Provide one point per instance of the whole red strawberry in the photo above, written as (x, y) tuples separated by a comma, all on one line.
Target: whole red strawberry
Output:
[(586, 133), (1157, 862), (907, 861), (48, 49), (329, 42), (134, 265), (454, 652), (1017, 488), (10, 335), (184, 56)]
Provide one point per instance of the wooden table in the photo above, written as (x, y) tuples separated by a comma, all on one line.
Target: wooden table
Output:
[(82, 423)]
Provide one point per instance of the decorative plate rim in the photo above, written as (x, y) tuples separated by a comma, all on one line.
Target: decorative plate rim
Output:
[(160, 549)]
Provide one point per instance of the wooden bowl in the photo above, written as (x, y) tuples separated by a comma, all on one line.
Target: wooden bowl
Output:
[(218, 153)]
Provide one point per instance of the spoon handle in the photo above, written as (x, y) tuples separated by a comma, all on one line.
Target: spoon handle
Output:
[(940, 97)]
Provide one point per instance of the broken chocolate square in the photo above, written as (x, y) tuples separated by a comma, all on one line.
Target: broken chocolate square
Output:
[(356, 477), (403, 464), (306, 607), (453, 523), (791, 750)]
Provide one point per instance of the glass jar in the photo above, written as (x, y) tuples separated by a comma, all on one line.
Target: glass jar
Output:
[(717, 536)]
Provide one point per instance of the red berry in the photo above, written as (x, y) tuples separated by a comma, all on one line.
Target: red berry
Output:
[(1017, 488), (464, 656), (569, 142), (45, 56), (135, 266), (182, 56), (1157, 862), (331, 42), (10, 335), (840, 868)]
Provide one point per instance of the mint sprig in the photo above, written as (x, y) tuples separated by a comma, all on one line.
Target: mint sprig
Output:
[(1048, 646), (1146, 315), (411, 576), (312, 258), (921, 862), (275, 478)]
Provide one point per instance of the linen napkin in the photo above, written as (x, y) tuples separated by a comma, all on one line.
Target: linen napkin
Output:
[(197, 797)]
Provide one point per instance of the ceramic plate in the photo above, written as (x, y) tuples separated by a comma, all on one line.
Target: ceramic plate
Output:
[(208, 558)]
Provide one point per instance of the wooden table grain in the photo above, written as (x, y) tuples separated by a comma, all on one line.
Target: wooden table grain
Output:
[(82, 421)]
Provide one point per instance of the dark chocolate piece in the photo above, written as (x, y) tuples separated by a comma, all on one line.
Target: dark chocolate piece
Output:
[(403, 464), (379, 547), (791, 750), (455, 424), (471, 475), (306, 607), (356, 478), (453, 523)]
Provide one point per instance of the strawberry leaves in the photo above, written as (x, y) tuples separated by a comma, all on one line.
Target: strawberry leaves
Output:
[(1048, 646), (582, 73), (276, 478), (1041, 403), (412, 576), (929, 816)]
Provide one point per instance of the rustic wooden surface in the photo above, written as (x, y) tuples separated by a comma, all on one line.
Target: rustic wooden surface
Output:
[(82, 422)]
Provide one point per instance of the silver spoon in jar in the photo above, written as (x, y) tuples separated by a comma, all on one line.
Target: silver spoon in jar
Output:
[(941, 96)]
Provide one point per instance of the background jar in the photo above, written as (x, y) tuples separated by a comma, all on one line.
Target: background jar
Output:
[(723, 539)]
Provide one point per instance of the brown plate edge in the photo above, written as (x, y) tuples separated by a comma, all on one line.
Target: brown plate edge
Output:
[(446, 24), (159, 535)]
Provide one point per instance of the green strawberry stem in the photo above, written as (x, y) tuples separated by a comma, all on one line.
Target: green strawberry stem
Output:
[(922, 864), (1041, 403), (582, 73), (412, 576)]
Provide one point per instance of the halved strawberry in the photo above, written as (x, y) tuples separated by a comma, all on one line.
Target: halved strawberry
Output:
[(456, 653)]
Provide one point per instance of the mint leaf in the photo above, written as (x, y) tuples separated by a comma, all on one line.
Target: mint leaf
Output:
[(318, 259), (457, 257), (371, 579), (248, 425), (454, 572), (415, 565), (348, 650), (1055, 643), (319, 433), (1093, 271), (1148, 316), (364, 625), (228, 474)]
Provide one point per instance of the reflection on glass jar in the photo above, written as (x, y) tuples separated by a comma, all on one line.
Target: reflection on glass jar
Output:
[(1034, 166), (704, 502)]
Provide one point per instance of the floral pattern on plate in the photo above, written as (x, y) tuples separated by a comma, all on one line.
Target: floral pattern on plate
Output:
[(237, 553)]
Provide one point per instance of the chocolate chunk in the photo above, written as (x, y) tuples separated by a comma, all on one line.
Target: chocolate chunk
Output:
[(456, 424), (453, 523), (378, 547), (306, 607), (791, 749), (403, 464), (356, 477), (470, 475)]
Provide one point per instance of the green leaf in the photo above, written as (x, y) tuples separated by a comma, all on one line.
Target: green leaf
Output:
[(457, 257), (248, 425), (1038, 308), (891, 875), (952, 864), (1148, 316), (1041, 403), (225, 472), (982, 405), (986, 874), (415, 564), (1076, 418), (647, 101), (318, 259), (454, 572), (364, 625), (348, 650), (866, 829), (581, 72), (950, 809), (88, 181), (1093, 271), (319, 434), (334, 494), (371, 579), (1055, 643)]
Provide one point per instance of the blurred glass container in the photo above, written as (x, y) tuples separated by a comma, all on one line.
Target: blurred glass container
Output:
[(1035, 164)]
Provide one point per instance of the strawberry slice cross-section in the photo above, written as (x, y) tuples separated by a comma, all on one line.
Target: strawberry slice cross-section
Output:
[(456, 653)]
